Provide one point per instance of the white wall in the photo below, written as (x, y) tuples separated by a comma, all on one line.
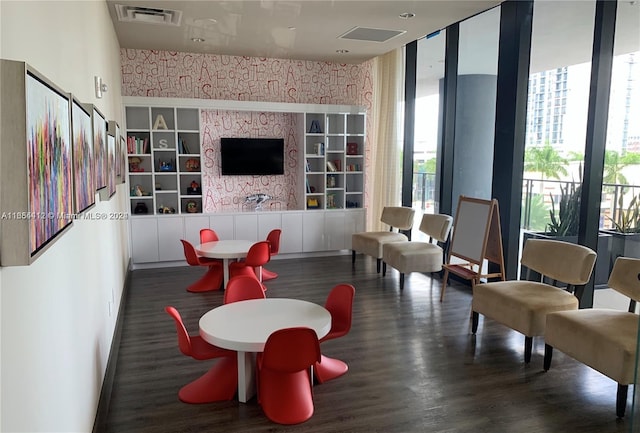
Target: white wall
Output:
[(58, 315)]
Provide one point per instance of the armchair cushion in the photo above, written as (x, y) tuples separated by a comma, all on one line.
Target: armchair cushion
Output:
[(371, 243), (603, 339), (521, 305), (413, 256)]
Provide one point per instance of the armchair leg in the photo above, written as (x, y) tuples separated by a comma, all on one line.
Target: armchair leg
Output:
[(621, 400), (384, 268), (401, 281), (474, 321), (528, 345), (378, 263), (444, 284), (353, 256), (548, 354)]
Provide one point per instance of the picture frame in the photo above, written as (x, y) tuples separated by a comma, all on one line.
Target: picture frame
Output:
[(122, 156), (111, 165), (36, 163), (100, 148), (82, 150)]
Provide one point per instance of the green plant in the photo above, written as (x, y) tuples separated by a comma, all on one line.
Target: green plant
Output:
[(565, 221), (628, 219)]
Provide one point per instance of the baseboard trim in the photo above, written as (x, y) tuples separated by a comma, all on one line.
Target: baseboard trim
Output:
[(102, 411)]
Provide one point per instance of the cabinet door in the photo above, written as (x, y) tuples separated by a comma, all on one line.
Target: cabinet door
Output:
[(354, 222), (291, 237), (313, 232), (192, 227), (170, 231), (246, 227), (144, 240), (268, 221), (334, 231), (223, 225)]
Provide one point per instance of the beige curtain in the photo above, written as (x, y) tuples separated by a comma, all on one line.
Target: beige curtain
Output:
[(384, 174)]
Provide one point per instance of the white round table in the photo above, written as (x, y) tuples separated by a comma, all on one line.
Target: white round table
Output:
[(225, 250), (245, 326)]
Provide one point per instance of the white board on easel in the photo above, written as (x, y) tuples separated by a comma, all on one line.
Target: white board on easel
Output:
[(476, 237)]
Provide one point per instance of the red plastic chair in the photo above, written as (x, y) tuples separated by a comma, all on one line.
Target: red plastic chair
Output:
[(221, 381), (284, 380), (212, 280), (340, 305), (208, 235), (274, 245), (252, 265), (242, 288)]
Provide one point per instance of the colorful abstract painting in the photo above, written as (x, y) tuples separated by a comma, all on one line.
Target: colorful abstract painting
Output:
[(122, 154), (82, 145), (111, 161), (49, 162), (100, 149)]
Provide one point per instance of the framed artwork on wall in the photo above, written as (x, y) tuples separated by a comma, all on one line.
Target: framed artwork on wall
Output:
[(48, 160), (36, 163), (111, 161), (100, 148), (82, 149), (122, 154)]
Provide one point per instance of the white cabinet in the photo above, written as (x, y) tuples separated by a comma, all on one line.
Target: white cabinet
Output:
[(223, 224), (334, 230), (268, 221), (192, 227), (170, 231), (292, 230), (313, 232), (157, 239), (246, 227), (144, 240)]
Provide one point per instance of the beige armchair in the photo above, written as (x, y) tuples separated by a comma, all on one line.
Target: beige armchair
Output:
[(524, 305), (604, 339), (411, 256), (398, 218)]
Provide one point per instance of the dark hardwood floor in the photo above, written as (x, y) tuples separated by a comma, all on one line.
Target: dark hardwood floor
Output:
[(414, 365)]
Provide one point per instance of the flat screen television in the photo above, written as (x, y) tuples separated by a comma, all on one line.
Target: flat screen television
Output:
[(252, 156)]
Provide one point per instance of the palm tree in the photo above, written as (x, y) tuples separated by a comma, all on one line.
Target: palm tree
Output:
[(613, 165), (546, 161)]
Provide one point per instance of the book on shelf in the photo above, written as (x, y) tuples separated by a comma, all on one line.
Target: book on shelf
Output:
[(308, 187), (308, 166), (331, 166), (338, 164)]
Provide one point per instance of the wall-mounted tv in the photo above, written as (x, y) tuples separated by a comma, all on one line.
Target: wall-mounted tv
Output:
[(252, 156)]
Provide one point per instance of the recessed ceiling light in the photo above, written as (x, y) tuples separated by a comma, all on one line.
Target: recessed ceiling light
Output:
[(212, 20), (407, 15), (342, 51), (291, 28), (197, 39)]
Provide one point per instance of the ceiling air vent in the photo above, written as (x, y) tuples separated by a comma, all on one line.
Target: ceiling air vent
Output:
[(371, 35), (148, 15)]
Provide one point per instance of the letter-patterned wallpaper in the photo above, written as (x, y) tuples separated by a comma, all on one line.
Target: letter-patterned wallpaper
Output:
[(153, 73)]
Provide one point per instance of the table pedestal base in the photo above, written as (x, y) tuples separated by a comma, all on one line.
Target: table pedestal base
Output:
[(246, 376)]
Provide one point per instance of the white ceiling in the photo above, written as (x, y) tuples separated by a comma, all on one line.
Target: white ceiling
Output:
[(262, 28)]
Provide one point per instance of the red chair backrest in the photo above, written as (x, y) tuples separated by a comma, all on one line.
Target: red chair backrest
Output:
[(290, 350), (258, 254), (208, 235), (242, 288), (274, 241), (184, 341), (340, 305), (190, 253)]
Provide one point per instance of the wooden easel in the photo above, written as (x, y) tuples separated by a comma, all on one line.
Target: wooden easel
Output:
[(476, 237)]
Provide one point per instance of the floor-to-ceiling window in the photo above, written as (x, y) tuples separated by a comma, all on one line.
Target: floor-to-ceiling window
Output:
[(560, 67), (429, 74), (620, 209), (475, 106)]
